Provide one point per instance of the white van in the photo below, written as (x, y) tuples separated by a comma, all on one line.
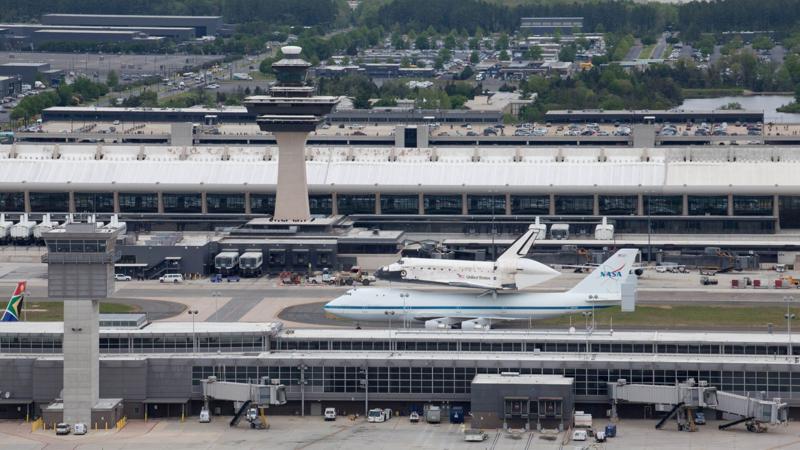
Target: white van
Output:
[(79, 428), (330, 414), (205, 416), (579, 435), (171, 278)]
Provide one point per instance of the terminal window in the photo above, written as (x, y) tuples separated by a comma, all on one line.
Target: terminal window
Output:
[(320, 204), (262, 203), (225, 203), (12, 201), (575, 205), (356, 203), (486, 204), (399, 204), (138, 202), (663, 205), (618, 204), (752, 205), (442, 204), (716, 205), (530, 204), (94, 202), (49, 201)]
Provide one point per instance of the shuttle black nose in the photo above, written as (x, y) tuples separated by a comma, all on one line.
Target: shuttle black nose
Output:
[(384, 274)]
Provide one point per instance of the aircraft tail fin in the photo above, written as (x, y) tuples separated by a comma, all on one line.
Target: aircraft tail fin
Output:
[(520, 247), (14, 307), (608, 277)]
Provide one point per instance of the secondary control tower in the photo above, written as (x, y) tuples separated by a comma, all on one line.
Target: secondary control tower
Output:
[(290, 112)]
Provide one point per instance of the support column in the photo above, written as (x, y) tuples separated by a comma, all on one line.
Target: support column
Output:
[(640, 204), (160, 203), (71, 202), (248, 209), (508, 203), (116, 202), (26, 196), (421, 205), (685, 209), (203, 204), (291, 198), (552, 211), (378, 203), (464, 205), (334, 204), (596, 205), (730, 204), (776, 211)]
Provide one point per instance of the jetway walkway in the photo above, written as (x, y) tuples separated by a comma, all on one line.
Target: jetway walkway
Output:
[(249, 399), (755, 412)]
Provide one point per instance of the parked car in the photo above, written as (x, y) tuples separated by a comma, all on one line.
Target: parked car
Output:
[(62, 429), (330, 414), (171, 278), (413, 417), (79, 429), (122, 277)]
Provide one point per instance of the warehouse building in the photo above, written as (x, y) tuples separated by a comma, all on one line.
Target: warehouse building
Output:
[(202, 25), (27, 71), (543, 26), (10, 86)]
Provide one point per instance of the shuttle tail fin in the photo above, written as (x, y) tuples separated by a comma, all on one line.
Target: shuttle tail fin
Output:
[(609, 276), (520, 247)]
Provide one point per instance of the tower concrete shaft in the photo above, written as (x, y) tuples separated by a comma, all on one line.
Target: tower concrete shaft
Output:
[(291, 198), (81, 360)]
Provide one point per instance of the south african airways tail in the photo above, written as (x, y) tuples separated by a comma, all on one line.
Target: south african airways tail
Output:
[(14, 307)]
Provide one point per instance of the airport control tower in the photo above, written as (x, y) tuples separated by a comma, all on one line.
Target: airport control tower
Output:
[(80, 271), (290, 112)]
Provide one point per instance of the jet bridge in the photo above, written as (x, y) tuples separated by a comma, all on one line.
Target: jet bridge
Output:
[(755, 412), (248, 398)]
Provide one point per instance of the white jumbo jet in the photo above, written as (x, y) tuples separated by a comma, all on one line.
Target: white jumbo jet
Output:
[(600, 289), (511, 270)]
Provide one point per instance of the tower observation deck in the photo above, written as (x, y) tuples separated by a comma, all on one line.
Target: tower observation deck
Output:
[(291, 111)]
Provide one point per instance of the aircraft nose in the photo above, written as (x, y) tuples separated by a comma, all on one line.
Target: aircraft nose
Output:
[(384, 273)]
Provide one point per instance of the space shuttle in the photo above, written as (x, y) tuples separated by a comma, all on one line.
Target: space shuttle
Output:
[(511, 271), (611, 283)]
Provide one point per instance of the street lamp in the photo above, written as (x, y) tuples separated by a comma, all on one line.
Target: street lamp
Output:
[(586, 315), (193, 312), (389, 314), (649, 229), (789, 316), (365, 384), (303, 383)]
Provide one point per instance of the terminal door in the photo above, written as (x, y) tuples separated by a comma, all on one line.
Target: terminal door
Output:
[(550, 413), (516, 413)]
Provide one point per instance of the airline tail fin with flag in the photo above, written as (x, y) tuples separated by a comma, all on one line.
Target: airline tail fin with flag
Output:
[(14, 307)]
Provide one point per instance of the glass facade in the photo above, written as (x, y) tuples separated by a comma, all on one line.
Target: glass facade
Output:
[(73, 246), (399, 204), (183, 203), (530, 204), (138, 202), (708, 205), (225, 203), (339, 378), (262, 203), (582, 205), (356, 203), (790, 211), (91, 202), (49, 201), (744, 205), (663, 205), (442, 204), (321, 204), (618, 205), (12, 202), (486, 204)]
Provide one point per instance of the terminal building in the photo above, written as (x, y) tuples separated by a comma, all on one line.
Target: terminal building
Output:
[(202, 25), (157, 370)]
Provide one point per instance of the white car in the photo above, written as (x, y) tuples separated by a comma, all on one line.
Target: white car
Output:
[(330, 414), (171, 278), (62, 429), (122, 277), (79, 428)]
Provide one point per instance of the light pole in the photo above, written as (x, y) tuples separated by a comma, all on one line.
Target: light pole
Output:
[(365, 384), (586, 315), (303, 389), (789, 317), (649, 229), (193, 312)]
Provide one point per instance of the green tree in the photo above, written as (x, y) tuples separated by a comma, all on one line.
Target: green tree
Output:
[(422, 43), (502, 42), (567, 53), (112, 80), (504, 55), (474, 44), (474, 57), (450, 41), (762, 42), (534, 53)]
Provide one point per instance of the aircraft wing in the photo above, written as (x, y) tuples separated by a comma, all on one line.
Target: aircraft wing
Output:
[(470, 284)]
